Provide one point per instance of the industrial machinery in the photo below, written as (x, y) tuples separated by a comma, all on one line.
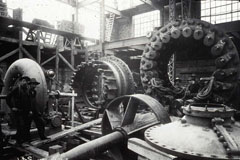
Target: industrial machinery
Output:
[(210, 126), (29, 68), (139, 125), (191, 38), (122, 119), (97, 82)]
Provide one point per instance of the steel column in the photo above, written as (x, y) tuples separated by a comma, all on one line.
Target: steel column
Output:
[(172, 10), (186, 8)]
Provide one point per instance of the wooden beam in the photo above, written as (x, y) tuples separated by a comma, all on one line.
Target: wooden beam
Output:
[(28, 54), (17, 23), (85, 3), (72, 53), (113, 10), (148, 2), (121, 44), (20, 44), (26, 43), (9, 54), (38, 48), (66, 62), (142, 8), (48, 60), (36, 152), (138, 47), (67, 132)]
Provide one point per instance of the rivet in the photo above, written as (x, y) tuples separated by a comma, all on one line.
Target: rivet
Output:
[(185, 152), (183, 120), (173, 149), (221, 139), (225, 145)]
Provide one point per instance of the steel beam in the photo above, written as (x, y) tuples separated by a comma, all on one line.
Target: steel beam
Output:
[(121, 44)]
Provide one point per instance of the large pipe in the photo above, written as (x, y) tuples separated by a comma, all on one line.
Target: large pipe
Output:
[(94, 147)]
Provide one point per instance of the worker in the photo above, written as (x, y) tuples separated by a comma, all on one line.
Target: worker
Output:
[(35, 115), (17, 100)]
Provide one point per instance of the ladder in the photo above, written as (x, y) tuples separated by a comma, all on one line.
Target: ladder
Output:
[(109, 26), (110, 23)]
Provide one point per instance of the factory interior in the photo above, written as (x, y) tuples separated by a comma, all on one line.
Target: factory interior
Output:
[(120, 79)]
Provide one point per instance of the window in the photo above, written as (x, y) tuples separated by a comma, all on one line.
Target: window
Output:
[(145, 22), (214, 11)]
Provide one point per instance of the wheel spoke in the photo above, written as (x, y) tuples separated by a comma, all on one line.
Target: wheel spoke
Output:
[(115, 117), (130, 112)]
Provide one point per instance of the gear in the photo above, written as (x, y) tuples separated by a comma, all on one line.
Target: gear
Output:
[(100, 81), (189, 37)]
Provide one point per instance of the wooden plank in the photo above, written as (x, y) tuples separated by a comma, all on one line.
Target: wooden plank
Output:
[(67, 132), (9, 54), (27, 53), (48, 60), (66, 62), (91, 132), (36, 152), (26, 43), (144, 149)]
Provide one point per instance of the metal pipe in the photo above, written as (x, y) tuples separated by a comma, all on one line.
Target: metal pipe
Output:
[(3, 96), (62, 94), (94, 147), (72, 112)]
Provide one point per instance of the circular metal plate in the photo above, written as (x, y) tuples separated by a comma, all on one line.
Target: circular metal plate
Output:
[(187, 141)]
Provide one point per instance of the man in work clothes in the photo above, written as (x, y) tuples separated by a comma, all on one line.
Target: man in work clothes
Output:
[(35, 115), (18, 101)]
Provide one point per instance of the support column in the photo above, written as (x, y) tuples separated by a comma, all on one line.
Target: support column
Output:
[(172, 10), (171, 63), (20, 43), (186, 8), (102, 27), (162, 15), (72, 53), (38, 48), (57, 62)]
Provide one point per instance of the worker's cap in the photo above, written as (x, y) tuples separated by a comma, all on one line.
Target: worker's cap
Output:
[(33, 81)]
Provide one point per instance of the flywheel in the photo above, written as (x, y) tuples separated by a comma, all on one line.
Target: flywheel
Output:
[(97, 82), (190, 37)]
